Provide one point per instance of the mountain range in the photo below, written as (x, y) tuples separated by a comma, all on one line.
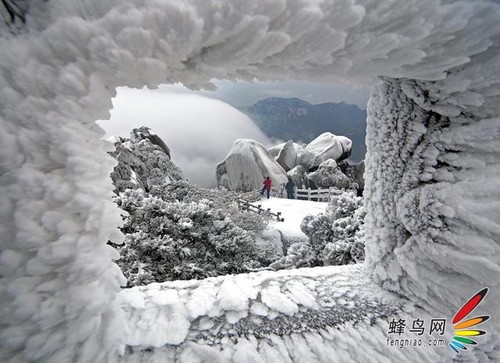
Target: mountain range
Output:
[(299, 120)]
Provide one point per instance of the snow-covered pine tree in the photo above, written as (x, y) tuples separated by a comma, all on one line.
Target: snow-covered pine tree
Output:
[(179, 240), (336, 237), (175, 229)]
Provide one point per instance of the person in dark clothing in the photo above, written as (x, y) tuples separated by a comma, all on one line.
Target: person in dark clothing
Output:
[(290, 189), (267, 187)]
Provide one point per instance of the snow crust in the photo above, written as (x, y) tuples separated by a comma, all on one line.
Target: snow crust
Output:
[(432, 167), (312, 315)]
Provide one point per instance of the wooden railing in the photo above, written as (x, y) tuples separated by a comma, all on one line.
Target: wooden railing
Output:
[(245, 205), (318, 195)]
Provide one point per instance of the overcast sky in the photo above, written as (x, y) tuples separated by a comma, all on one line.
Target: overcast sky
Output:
[(200, 130)]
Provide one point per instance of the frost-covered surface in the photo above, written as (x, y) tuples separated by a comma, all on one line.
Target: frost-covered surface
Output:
[(287, 156), (143, 161), (246, 165), (329, 146), (180, 240), (311, 315), (329, 175), (432, 196), (433, 237), (337, 236)]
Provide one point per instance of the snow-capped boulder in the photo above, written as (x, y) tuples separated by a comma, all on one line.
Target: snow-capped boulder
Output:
[(299, 176), (328, 175), (305, 157), (143, 161), (329, 164), (287, 156), (145, 133), (275, 150), (246, 166), (329, 146)]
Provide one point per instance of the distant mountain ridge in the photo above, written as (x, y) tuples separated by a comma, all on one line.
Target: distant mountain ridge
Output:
[(296, 119)]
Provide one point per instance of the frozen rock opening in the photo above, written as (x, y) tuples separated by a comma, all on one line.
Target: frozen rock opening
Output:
[(433, 141)]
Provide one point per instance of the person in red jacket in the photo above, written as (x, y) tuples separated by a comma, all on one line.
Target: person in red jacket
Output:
[(267, 187)]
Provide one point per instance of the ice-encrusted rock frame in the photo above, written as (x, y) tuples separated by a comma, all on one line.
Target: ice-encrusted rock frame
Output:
[(432, 167)]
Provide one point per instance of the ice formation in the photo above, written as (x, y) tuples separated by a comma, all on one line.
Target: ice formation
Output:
[(432, 168)]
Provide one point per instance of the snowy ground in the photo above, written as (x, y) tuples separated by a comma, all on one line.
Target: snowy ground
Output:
[(294, 211), (307, 315), (322, 314)]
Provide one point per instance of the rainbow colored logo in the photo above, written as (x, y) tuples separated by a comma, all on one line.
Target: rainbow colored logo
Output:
[(462, 329)]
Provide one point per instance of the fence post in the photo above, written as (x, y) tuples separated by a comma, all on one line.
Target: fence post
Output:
[(295, 192), (308, 193)]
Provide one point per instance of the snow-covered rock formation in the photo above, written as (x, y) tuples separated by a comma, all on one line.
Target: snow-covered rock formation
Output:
[(246, 165), (143, 161), (329, 146), (299, 175), (313, 165), (305, 157), (295, 119), (326, 146), (328, 175), (432, 169), (287, 156)]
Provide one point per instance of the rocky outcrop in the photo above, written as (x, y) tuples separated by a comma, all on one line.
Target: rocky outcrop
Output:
[(246, 166), (287, 156), (145, 133), (329, 146), (143, 161), (328, 175), (310, 166), (299, 176), (305, 157)]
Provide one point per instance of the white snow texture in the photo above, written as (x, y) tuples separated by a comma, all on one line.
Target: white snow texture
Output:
[(432, 168)]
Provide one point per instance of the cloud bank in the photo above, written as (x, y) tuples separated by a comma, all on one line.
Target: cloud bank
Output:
[(198, 130)]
